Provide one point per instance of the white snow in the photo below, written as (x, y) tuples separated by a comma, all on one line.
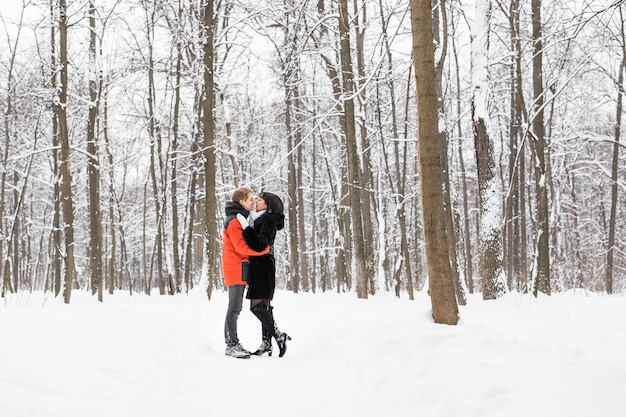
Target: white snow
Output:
[(164, 356)]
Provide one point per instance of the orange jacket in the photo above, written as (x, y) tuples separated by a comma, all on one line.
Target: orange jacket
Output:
[(235, 250)]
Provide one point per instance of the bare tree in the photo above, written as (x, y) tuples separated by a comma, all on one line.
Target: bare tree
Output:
[(354, 166), (368, 200), (615, 164), (441, 285), (57, 231), (93, 165), (538, 146), (398, 181), (67, 200), (490, 195), (440, 20), (515, 206), (7, 113), (208, 132)]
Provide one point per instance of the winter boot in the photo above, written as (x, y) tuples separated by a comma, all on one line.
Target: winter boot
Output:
[(266, 343), (281, 340), (266, 316), (237, 351)]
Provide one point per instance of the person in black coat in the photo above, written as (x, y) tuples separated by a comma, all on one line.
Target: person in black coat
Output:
[(268, 219)]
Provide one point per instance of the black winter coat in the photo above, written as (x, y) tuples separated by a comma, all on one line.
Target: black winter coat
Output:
[(262, 278)]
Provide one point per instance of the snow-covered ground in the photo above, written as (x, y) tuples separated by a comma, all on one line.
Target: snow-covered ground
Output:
[(136, 356)]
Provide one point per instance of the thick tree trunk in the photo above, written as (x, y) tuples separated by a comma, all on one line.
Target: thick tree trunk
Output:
[(491, 269), (443, 299)]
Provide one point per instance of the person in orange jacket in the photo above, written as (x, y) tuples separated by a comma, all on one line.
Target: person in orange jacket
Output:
[(235, 265), (269, 218)]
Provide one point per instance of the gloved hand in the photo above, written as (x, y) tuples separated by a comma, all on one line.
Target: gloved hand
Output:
[(243, 221)]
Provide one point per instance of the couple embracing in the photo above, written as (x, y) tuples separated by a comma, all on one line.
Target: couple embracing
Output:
[(248, 259)]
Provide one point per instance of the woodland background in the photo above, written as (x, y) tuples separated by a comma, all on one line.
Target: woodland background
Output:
[(127, 124)]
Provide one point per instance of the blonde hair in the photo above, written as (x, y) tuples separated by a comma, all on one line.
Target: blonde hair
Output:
[(241, 193)]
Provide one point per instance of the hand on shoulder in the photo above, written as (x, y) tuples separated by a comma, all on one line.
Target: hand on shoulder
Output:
[(243, 221)]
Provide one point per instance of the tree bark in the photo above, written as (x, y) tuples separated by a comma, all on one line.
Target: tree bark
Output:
[(608, 284), (541, 272), (174, 156), (112, 199), (93, 166), (491, 269), (354, 168), (441, 285), (66, 173), (459, 286), (57, 233), (368, 196), (208, 131)]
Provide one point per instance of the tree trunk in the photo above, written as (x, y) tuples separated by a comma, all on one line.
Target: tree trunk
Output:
[(112, 199), (491, 270), (174, 157), (459, 286), (93, 166), (354, 169), (208, 131), (294, 261), (541, 272), (518, 180), (191, 200), (443, 299), (302, 248), (615, 165), (467, 245), (57, 233), (66, 173), (6, 281), (368, 196)]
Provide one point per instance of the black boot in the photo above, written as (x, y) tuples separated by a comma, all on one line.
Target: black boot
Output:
[(266, 343), (282, 343), (266, 316)]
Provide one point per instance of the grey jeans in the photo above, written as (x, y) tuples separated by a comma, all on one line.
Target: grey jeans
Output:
[(235, 301)]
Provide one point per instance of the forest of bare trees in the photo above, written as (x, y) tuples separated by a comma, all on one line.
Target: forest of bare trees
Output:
[(126, 124)]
